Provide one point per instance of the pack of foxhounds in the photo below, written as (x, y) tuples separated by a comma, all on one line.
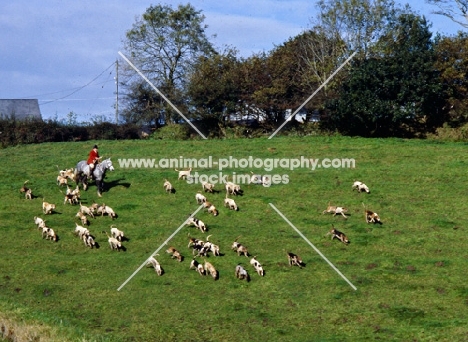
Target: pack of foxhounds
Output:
[(201, 249), (72, 196)]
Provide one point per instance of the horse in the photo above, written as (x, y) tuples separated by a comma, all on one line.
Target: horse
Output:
[(82, 173)]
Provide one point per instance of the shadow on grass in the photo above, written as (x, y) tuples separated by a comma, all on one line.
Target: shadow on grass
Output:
[(111, 184), (115, 183)]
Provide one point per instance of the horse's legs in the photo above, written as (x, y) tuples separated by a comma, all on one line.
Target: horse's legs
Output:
[(83, 180), (99, 185)]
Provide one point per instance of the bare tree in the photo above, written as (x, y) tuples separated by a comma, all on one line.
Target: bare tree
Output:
[(456, 10), (358, 23), (320, 54)]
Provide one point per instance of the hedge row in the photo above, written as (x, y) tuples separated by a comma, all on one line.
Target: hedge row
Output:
[(16, 132)]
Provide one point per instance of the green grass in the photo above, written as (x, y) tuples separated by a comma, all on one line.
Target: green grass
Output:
[(409, 272)]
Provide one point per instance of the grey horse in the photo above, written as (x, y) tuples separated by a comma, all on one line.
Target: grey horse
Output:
[(82, 173)]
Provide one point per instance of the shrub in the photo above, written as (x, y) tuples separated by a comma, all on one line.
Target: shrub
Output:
[(447, 133), (172, 132)]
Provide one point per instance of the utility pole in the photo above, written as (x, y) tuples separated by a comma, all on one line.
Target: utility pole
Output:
[(117, 92)]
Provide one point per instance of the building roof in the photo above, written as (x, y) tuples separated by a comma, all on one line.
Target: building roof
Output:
[(20, 109)]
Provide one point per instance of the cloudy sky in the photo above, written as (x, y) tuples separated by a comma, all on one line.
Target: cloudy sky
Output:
[(63, 53)]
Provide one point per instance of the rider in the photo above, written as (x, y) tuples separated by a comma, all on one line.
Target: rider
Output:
[(93, 159)]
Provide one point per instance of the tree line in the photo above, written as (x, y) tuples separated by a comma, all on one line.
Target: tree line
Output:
[(403, 81)]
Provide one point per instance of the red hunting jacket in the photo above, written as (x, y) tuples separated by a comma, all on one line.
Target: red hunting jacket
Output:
[(93, 156)]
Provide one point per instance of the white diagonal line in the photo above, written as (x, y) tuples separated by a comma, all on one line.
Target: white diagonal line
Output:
[(159, 248), (161, 94), (315, 248), (311, 96)]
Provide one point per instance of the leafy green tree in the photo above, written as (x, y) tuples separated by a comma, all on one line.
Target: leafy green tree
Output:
[(142, 105), (396, 94), (213, 87), (164, 44), (341, 28), (452, 62)]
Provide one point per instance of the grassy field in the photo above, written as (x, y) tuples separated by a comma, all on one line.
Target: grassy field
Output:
[(409, 272)]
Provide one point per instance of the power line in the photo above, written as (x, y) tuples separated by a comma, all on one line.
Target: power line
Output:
[(61, 91), (100, 90), (78, 89), (97, 98)]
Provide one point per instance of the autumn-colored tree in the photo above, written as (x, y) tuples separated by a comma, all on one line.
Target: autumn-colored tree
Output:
[(278, 82), (271, 84)]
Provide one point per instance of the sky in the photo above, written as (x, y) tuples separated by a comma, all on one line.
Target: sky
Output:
[(63, 53)]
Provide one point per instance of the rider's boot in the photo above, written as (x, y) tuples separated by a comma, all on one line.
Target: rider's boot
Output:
[(91, 175)]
